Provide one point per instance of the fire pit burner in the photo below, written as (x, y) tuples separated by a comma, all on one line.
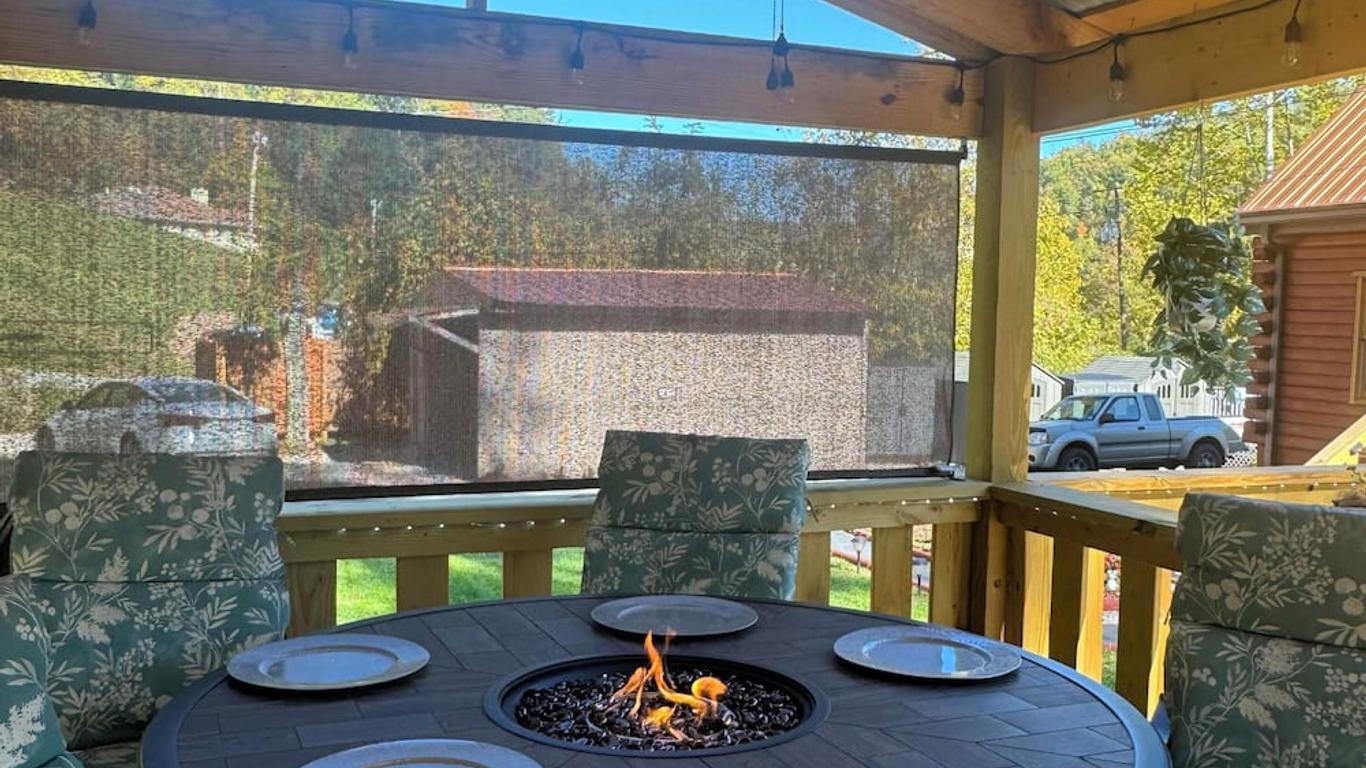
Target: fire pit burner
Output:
[(589, 704)]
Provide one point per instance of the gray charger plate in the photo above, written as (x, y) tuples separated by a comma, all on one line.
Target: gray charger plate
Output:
[(328, 662), (427, 753), (686, 615), (927, 652)]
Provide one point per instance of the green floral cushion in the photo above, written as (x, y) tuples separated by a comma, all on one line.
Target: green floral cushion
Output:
[(29, 732), (153, 571), (121, 755), (696, 514), (1288, 570), (1246, 700)]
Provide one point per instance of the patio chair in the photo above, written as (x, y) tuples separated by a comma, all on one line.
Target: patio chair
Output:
[(30, 736), (153, 570), (1266, 662), (698, 515)]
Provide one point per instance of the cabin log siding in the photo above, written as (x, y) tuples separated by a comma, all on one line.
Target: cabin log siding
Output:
[(1316, 289)]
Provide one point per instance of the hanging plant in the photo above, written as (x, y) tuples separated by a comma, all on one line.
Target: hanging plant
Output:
[(1208, 317)]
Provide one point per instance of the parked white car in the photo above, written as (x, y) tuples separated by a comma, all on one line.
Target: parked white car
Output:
[(160, 415)]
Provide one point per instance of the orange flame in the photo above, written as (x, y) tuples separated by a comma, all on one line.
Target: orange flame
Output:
[(703, 700)]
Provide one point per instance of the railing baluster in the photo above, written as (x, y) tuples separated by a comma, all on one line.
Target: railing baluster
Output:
[(1075, 635), (423, 582), (1029, 591), (892, 570), (813, 568), (951, 560), (528, 572), (1144, 602), (312, 596)]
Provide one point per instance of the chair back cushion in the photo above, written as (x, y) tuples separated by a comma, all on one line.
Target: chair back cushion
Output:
[(1266, 660), (158, 568), (697, 514), (29, 732)]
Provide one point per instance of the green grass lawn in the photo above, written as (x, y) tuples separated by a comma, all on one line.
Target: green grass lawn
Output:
[(365, 588)]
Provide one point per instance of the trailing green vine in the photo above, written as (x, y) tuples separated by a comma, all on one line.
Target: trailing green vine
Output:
[(1208, 317)]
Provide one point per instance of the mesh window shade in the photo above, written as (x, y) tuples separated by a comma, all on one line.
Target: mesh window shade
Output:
[(393, 300)]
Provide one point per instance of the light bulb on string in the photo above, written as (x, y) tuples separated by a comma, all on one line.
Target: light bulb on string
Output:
[(350, 44), (957, 98), (1294, 38), (1118, 76), (577, 61), (85, 23)]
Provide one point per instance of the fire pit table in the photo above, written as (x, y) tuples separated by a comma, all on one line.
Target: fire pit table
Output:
[(484, 657)]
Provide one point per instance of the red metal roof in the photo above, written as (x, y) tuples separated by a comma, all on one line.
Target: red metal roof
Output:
[(651, 289), (1329, 171)]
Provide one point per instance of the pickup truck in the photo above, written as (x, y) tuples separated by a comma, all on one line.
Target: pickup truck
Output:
[(1086, 432)]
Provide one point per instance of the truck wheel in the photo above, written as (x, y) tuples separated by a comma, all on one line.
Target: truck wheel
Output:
[(1207, 455), (1077, 459)]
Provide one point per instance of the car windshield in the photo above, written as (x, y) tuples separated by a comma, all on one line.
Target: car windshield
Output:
[(1080, 408), (195, 392)]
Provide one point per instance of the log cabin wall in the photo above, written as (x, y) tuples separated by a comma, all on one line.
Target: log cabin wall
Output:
[(1301, 397)]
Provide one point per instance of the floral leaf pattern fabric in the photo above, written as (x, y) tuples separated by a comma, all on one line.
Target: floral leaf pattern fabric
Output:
[(120, 755), (29, 732), (151, 571), (697, 514), (1266, 661)]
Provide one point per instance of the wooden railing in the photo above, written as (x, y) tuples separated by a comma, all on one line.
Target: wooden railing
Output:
[(526, 527), (1058, 529)]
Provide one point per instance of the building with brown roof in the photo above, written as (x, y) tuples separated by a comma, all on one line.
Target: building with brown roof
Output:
[(1310, 219), (517, 373), (191, 215)]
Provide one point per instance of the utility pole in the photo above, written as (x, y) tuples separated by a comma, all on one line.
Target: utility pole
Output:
[(1270, 134), (1119, 270)]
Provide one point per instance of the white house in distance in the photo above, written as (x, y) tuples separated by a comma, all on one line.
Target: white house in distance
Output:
[(1132, 373), (1046, 388)]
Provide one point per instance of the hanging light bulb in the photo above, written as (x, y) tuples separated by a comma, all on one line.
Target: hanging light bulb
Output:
[(957, 98), (85, 23), (1294, 39), (350, 44), (577, 61), (783, 82), (773, 82), (1118, 76)]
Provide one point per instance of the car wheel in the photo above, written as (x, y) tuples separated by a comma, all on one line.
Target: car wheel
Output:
[(44, 440), (1077, 459), (129, 445), (1207, 455)]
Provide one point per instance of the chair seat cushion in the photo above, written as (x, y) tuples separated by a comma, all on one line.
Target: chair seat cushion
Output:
[(123, 754), (121, 650), (641, 561), (29, 732), (1244, 699)]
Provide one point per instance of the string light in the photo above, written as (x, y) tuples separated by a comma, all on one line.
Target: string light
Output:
[(957, 98), (350, 44), (1118, 75), (85, 23), (780, 83), (577, 60), (1294, 38)]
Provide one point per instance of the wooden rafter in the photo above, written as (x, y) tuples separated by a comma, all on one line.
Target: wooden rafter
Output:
[(1142, 14), (974, 30), (453, 53), (1218, 59)]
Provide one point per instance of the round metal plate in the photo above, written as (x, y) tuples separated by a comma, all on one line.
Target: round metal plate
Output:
[(686, 615), (928, 653), (328, 662), (427, 753)]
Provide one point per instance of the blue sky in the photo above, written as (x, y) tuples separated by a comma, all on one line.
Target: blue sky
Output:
[(813, 22)]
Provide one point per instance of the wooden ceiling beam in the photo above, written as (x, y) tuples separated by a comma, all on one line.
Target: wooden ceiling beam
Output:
[(1134, 15), (442, 52), (1218, 59), (973, 30)]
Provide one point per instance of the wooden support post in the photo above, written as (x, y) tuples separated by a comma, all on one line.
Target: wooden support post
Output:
[(813, 568), (1002, 317), (423, 582), (527, 573), (892, 570), (312, 596), (1029, 590), (950, 574), (1144, 602), (1078, 597)]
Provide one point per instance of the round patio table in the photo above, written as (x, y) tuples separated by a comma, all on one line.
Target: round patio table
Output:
[(1045, 714)]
